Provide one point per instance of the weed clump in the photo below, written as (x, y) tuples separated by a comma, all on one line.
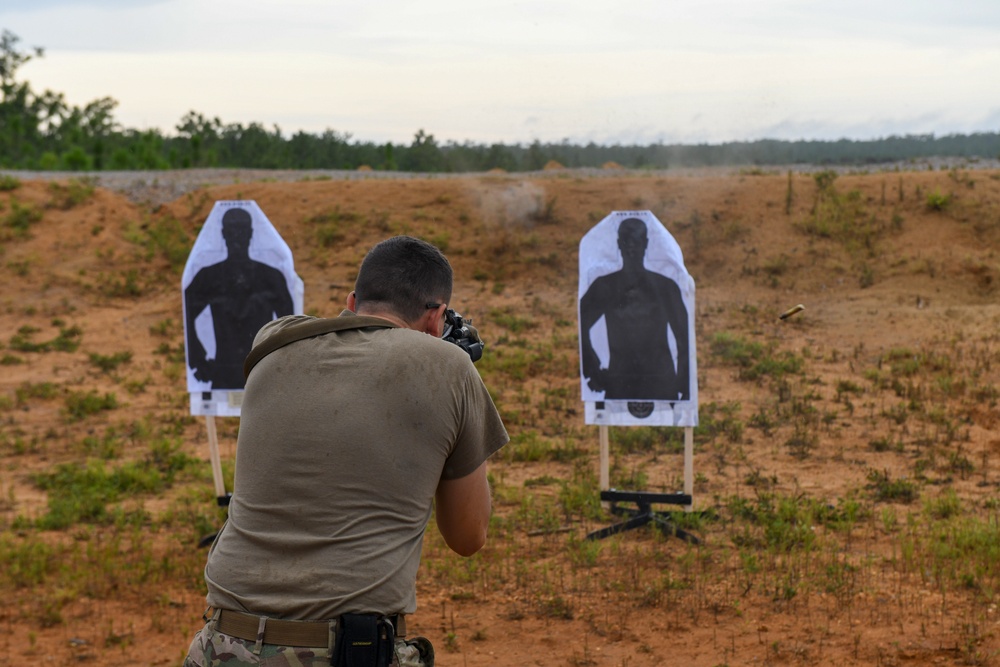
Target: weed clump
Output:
[(20, 217), (884, 488), (74, 192), (109, 362), (164, 237), (67, 340), (936, 201), (755, 360), (842, 217), (80, 405), (81, 494)]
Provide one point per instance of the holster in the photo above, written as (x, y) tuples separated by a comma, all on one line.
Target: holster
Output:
[(363, 640)]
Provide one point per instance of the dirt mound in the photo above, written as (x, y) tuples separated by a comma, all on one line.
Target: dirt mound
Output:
[(832, 444)]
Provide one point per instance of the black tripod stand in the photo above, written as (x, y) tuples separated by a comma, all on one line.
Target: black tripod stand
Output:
[(643, 513)]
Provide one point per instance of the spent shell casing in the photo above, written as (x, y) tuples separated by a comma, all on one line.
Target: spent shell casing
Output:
[(791, 311)]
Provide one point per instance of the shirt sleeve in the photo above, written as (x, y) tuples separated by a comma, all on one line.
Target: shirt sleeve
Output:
[(481, 432)]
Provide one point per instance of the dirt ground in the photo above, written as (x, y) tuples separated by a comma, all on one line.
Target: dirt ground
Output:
[(891, 266)]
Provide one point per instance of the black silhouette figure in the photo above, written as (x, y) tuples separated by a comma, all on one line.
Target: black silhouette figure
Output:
[(243, 295), (638, 306)]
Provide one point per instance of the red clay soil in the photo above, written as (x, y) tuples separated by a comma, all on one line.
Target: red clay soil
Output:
[(892, 267)]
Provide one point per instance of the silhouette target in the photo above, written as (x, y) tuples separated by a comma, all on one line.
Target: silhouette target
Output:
[(239, 277), (636, 309)]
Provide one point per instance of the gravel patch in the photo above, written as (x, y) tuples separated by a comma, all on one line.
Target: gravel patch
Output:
[(160, 187)]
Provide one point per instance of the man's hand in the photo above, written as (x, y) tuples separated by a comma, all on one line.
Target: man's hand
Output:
[(204, 371), (596, 380)]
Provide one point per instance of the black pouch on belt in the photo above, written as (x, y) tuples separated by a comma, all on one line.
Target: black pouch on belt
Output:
[(363, 640)]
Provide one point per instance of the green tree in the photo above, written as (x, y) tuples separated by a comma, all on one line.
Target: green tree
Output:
[(537, 156), (18, 122), (423, 154), (35, 128), (198, 137), (11, 59)]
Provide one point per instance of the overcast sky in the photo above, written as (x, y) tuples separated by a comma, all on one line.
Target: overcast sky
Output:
[(608, 71)]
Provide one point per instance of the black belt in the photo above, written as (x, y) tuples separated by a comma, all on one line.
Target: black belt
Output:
[(286, 633)]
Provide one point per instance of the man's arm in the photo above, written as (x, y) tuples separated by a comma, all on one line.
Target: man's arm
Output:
[(195, 301), (679, 325), (591, 305), (281, 298), (463, 509)]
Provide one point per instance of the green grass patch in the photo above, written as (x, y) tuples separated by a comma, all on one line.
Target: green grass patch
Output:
[(82, 494), (67, 340), (528, 446), (39, 390), (164, 237), (71, 193), (755, 361), (123, 284), (515, 363), (842, 217), (109, 362), (20, 217), (80, 404), (509, 319), (718, 420), (937, 201), (884, 488), (639, 439)]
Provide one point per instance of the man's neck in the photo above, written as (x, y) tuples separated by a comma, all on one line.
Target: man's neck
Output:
[(385, 315)]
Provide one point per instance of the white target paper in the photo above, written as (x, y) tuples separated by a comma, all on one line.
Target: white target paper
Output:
[(636, 313), (239, 276)]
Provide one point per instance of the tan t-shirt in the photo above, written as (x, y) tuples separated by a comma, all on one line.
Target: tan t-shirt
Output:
[(343, 440)]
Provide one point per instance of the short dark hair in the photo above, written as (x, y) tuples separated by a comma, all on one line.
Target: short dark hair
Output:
[(237, 216), (633, 229), (404, 274)]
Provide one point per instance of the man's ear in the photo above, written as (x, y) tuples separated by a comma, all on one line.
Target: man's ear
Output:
[(352, 302), (432, 321)]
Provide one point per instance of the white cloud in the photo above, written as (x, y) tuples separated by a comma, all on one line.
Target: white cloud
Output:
[(515, 71), (38, 6)]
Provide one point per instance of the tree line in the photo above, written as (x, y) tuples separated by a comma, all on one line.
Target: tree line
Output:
[(43, 131)]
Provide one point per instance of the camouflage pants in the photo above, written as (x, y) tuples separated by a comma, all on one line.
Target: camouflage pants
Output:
[(211, 648)]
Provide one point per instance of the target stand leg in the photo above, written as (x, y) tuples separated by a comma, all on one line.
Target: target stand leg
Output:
[(643, 513)]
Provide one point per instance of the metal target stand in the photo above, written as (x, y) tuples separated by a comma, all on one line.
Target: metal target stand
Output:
[(643, 513)]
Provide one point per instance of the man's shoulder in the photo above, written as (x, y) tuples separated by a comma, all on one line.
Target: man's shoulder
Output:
[(267, 269), (415, 351), (209, 272), (605, 281), (280, 324), (428, 347), (664, 279)]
